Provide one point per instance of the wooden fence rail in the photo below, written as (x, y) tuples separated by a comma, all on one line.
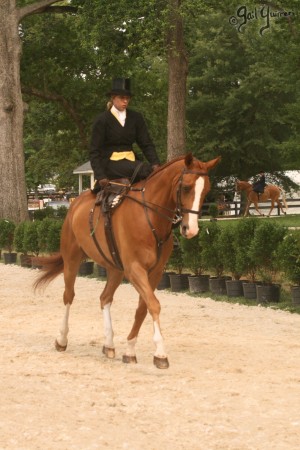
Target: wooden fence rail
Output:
[(233, 208)]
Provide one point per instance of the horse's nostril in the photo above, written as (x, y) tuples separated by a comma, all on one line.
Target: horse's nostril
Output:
[(184, 229)]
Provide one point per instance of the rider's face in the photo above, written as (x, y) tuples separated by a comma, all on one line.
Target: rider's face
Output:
[(120, 101)]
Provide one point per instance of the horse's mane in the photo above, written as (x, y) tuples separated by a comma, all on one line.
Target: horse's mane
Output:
[(168, 163), (245, 182)]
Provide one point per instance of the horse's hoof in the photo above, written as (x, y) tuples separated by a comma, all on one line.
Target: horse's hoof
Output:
[(161, 363), (60, 348), (129, 359), (108, 352)]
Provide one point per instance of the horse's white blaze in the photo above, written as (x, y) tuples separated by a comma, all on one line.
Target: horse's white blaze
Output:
[(108, 331), (158, 341), (193, 226), (64, 330)]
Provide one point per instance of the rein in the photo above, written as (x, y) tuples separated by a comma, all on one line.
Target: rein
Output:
[(178, 209)]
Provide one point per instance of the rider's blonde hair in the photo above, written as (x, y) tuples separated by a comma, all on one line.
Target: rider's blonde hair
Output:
[(109, 104)]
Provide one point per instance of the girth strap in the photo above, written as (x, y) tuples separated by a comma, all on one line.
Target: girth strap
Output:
[(111, 242), (92, 234), (107, 213)]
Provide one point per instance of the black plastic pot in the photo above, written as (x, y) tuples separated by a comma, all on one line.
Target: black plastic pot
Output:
[(10, 258), (101, 271), (295, 292), (25, 260), (217, 285), (268, 293), (86, 268), (164, 281), (198, 283), (179, 282), (234, 288), (249, 289)]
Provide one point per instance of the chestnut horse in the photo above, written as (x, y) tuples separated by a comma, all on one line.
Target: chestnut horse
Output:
[(142, 230), (271, 192)]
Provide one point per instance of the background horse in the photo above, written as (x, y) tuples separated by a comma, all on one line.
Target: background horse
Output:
[(142, 231), (271, 192)]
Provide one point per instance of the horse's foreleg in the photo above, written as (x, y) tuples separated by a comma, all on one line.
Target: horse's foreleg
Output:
[(247, 209), (140, 314), (106, 298), (272, 207), (140, 281), (160, 358), (108, 348)]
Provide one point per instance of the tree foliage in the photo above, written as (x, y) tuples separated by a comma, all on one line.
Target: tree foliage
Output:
[(243, 91)]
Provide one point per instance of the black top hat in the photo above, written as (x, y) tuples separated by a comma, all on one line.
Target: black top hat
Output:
[(120, 86)]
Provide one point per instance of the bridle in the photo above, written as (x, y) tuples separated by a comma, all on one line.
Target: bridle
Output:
[(158, 209), (179, 208)]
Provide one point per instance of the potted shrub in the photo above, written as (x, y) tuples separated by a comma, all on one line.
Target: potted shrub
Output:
[(7, 230), (31, 240), (263, 250), (192, 260), (212, 257), (245, 263), (289, 261), (53, 235), (213, 211), (47, 212), (178, 280), (43, 234), (19, 246), (228, 247)]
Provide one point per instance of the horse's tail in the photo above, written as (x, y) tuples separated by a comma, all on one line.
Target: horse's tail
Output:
[(283, 198), (52, 266)]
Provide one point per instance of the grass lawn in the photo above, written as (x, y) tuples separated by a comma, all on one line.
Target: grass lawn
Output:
[(292, 220)]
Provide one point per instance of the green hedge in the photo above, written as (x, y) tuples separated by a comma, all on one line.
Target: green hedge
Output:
[(248, 247)]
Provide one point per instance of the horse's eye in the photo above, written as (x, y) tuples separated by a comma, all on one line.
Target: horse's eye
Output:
[(186, 188)]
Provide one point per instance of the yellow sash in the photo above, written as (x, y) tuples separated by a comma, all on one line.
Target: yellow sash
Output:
[(116, 156)]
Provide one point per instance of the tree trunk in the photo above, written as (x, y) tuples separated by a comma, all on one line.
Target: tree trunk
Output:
[(13, 199), (178, 70)]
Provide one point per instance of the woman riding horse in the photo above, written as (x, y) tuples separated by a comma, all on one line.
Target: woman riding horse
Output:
[(142, 230), (271, 193)]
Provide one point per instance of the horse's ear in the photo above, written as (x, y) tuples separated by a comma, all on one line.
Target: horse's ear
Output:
[(188, 160), (211, 164)]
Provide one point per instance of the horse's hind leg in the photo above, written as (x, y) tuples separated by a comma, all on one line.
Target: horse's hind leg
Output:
[(72, 260), (114, 278), (280, 206), (257, 209), (61, 341)]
